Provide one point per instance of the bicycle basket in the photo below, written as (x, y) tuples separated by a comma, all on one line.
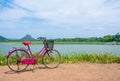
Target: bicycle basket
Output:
[(49, 44)]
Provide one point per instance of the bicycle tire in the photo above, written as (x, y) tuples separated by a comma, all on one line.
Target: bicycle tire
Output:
[(13, 60), (52, 59)]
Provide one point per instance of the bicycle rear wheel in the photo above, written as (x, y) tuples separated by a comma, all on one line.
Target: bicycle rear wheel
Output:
[(13, 60), (52, 59)]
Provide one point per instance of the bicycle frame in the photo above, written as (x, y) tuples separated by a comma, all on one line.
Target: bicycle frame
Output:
[(43, 51)]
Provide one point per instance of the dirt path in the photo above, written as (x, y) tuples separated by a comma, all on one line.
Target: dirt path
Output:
[(65, 72)]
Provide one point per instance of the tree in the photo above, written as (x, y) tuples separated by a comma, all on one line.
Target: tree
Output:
[(108, 38), (117, 37)]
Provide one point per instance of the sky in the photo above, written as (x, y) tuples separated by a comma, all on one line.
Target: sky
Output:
[(59, 18)]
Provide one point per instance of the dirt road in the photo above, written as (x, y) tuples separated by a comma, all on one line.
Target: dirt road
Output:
[(65, 72)]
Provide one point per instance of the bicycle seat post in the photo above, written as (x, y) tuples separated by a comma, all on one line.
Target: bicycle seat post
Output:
[(30, 51), (27, 43)]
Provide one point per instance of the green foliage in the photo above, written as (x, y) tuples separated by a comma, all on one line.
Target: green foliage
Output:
[(90, 58), (106, 38), (2, 59), (104, 58)]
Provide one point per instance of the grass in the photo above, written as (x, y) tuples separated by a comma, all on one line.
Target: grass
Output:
[(104, 58), (2, 59), (90, 58)]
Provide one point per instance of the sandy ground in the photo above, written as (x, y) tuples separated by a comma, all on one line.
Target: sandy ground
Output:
[(65, 72)]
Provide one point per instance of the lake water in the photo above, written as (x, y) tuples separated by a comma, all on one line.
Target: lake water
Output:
[(66, 48)]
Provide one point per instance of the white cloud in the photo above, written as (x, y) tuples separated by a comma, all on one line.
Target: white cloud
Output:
[(80, 14)]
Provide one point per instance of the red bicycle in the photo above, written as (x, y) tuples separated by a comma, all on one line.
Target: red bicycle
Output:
[(19, 59)]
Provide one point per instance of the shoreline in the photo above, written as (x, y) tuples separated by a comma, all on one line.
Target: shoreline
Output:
[(62, 43)]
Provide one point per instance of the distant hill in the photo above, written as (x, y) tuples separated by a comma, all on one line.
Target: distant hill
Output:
[(2, 38), (27, 37)]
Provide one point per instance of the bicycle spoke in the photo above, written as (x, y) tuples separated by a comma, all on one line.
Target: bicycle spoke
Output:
[(18, 67), (13, 60), (52, 59)]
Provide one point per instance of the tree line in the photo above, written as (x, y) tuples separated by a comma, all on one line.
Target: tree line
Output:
[(106, 38)]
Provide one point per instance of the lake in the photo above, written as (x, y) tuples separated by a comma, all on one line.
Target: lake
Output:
[(66, 48)]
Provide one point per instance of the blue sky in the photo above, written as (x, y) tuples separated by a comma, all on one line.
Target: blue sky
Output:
[(59, 18)]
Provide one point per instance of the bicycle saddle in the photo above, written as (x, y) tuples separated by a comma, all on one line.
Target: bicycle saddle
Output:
[(27, 43)]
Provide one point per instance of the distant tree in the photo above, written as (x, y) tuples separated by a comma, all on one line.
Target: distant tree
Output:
[(117, 37), (92, 39), (108, 38)]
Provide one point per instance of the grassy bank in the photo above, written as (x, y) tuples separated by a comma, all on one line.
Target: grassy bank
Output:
[(81, 58), (90, 58), (2, 59)]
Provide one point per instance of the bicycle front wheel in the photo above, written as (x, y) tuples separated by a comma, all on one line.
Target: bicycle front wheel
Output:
[(52, 59), (13, 60)]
